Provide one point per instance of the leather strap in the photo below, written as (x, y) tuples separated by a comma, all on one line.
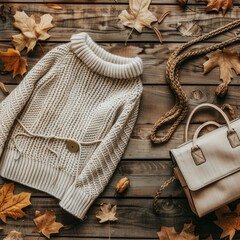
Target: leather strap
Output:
[(209, 105), (200, 128)]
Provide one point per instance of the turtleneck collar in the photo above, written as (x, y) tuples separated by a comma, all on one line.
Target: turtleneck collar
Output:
[(103, 62)]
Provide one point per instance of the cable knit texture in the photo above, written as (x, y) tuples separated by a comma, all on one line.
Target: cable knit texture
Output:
[(65, 127)]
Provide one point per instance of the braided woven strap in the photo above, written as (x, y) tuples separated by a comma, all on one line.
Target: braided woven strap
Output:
[(176, 59)]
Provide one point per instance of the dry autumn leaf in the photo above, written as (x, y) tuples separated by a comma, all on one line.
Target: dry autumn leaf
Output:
[(226, 60), (4, 89), (107, 213), (217, 5), (54, 6), (137, 16), (125, 51), (31, 31), (14, 235), (46, 224), (228, 221), (13, 62), (11, 205), (169, 233)]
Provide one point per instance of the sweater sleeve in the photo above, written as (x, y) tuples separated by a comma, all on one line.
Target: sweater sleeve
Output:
[(102, 164), (12, 105)]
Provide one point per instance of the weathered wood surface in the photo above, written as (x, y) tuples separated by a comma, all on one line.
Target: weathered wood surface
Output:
[(154, 58), (136, 219), (101, 22), (147, 165), (145, 177), (106, 1)]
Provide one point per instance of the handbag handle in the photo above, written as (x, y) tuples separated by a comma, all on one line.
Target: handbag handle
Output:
[(204, 105), (200, 128)]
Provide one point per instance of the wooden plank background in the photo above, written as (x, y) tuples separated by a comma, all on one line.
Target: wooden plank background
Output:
[(147, 165)]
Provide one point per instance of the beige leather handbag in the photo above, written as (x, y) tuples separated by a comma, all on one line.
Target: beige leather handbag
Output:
[(208, 167)]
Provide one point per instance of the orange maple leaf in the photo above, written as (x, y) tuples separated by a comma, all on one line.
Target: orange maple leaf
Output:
[(46, 224), (217, 5), (226, 60), (14, 62), (11, 205), (228, 221)]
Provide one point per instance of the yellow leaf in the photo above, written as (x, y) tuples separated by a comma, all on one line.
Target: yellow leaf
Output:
[(137, 16), (31, 31), (20, 42), (25, 23), (11, 205), (46, 224), (14, 62), (44, 25)]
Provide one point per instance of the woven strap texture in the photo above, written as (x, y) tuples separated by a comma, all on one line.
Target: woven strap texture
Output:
[(176, 59)]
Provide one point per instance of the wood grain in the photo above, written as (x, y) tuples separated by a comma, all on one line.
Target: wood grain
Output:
[(147, 165), (145, 179), (154, 58), (101, 22), (103, 1), (136, 219)]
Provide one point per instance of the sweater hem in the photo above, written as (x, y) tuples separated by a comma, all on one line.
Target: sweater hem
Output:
[(76, 201), (34, 173)]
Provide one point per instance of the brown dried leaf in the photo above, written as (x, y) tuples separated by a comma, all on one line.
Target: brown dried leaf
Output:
[(4, 89), (46, 224), (14, 235), (107, 213), (217, 5), (169, 233), (226, 60), (11, 205), (31, 31), (228, 221), (13, 62), (137, 16), (189, 29), (54, 6), (125, 51)]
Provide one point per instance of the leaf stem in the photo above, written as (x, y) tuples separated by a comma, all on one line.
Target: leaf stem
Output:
[(128, 36), (159, 35), (109, 230), (163, 16), (40, 45)]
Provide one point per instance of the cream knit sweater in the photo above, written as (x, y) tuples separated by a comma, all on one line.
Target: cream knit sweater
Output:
[(65, 127)]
